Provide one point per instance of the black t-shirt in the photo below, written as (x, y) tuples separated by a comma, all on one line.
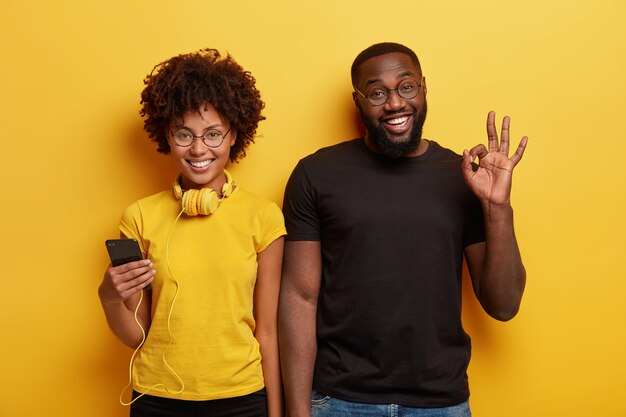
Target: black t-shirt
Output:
[(392, 235)]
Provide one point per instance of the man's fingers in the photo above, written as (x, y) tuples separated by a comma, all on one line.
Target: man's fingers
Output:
[(504, 136), (478, 151), (519, 152), (492, 134)]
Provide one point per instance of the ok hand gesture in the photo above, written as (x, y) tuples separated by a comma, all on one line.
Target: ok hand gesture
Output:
[(491, 182)]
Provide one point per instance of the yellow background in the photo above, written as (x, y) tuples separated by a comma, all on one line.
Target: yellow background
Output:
[(74, 156)]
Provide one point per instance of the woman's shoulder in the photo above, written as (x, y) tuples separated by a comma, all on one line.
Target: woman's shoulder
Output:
[(252, 198), (152, 201), (156, 198)]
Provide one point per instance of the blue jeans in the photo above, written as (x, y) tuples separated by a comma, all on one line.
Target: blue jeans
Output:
[(324, 406)]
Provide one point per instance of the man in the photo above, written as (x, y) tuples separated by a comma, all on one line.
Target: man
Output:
[(370, 309)]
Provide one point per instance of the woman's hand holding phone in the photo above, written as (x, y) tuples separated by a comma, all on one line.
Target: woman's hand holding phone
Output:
[(122, 281), (128, 272)]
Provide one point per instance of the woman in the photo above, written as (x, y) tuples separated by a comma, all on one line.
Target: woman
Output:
[(212, 252)]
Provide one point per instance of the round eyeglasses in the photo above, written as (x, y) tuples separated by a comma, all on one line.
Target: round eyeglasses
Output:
[(378, 95), (212, 138)]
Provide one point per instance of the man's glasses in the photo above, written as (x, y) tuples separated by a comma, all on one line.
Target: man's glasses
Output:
[(377, 95), (212, 138)]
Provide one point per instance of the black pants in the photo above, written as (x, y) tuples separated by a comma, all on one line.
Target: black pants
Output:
[(251, 405)]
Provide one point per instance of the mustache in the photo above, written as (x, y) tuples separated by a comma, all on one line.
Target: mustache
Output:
[(396, 112), (384, 142)]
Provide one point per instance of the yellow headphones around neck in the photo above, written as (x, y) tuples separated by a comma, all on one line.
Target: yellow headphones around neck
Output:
[(203, 201)]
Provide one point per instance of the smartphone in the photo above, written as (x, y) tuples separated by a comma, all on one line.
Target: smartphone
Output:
[(123, 251)]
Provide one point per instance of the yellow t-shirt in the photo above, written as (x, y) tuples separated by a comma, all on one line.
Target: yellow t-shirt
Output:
[(210, 270)]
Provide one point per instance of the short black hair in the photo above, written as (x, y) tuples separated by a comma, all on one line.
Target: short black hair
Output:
[(378, 49), (186, 82)]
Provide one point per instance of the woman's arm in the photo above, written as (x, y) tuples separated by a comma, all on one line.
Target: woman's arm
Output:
[(266, 316), (120, 292)]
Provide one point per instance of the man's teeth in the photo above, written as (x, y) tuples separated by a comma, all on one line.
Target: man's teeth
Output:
[(398, 121), (199, 164)]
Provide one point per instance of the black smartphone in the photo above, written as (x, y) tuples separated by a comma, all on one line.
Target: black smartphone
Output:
[(123, 251)]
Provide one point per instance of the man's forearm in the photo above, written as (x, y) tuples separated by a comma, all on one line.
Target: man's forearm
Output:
[(298, 349), (503, 274)]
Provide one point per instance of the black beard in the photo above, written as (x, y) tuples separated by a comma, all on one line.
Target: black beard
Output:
[(395, 149)]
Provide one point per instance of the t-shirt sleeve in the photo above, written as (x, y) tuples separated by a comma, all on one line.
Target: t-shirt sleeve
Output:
[(300, 207), (475, 223), (272, 226), (131, 225)]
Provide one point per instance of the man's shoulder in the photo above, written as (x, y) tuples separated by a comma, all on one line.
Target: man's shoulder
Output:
[(353, 147), (333, 152), (435, 150)]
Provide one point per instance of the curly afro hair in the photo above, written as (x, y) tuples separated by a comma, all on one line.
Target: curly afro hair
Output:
[(186, 82)]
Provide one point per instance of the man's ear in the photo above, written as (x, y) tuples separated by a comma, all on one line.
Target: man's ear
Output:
[(355, 98), (424, 85)]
